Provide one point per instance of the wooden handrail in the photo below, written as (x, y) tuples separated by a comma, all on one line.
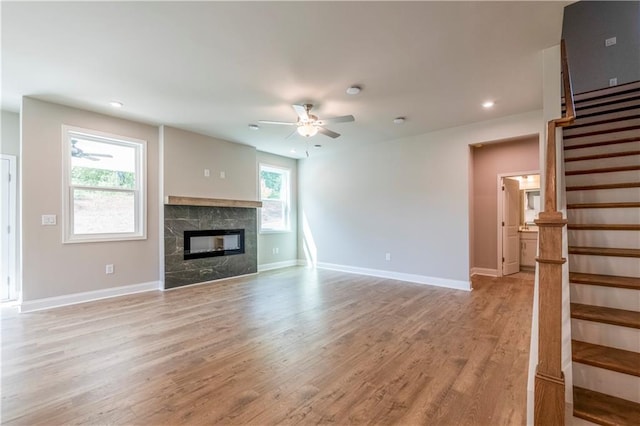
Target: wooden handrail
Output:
[(549, 381)]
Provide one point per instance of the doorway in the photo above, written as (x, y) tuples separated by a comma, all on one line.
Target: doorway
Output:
[(8, 229)]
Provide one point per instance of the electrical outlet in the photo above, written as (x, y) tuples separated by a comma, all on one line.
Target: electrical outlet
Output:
[(207, 172), (613, 82), (223, 175), (610, 41), (275, 250), (109, 269), (48, 219), (387, 256)]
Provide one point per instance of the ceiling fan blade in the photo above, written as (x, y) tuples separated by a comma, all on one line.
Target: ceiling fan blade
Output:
[(302, 112), (328, 132), (284, 123), (93, 154), (292, 134), (341, 119)]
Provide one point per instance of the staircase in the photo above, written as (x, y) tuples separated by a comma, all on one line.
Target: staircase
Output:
[(602, 176)]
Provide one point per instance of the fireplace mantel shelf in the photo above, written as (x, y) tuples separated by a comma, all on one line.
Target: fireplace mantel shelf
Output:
[(174, 200)]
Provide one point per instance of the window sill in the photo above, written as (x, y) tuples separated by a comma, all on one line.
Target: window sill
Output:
[(103, 240)]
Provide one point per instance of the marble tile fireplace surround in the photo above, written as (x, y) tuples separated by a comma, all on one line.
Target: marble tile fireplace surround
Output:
[(194, 215)]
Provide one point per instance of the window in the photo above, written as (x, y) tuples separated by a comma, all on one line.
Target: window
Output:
[(275, 193), (104, 186)]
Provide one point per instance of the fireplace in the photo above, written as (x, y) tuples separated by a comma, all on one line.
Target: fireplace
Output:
[(213, 242)]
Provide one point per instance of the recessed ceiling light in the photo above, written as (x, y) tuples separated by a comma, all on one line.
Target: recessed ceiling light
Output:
[(354, 90), (399, 120), (254, 127), (293, 151), (488, 104), (116, 104)]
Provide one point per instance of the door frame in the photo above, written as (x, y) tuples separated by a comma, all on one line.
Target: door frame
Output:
[(13, 236), (499, 215)]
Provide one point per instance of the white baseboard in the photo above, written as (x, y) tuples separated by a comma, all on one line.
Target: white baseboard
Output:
[(484, 271), (278, 265), (400, 276), (87, 296)]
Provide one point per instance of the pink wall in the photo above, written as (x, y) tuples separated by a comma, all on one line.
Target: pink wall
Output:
[(487, 162)]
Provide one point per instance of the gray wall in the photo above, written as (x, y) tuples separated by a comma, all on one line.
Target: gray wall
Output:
[(187, 155), (10, 143), (285, 242), (51, 268), (585, 27), (408, 197)]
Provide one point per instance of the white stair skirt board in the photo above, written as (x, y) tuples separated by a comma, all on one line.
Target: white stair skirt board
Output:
[(622, 385), (625, 338), (277, 265), (88, 296), (617, 195), (484, 271), (605, 265), (609, 297), (602, 149), (627, 160), (400, 276), (602, 178), (605, 215), (597, 238)]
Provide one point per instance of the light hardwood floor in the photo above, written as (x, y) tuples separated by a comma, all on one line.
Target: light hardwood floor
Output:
[(287, 346)]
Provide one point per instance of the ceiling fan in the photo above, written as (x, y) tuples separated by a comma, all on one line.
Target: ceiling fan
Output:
[(79, 153), (309, 125)]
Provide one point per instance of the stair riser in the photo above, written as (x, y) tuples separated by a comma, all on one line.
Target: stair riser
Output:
[(602, 138), (601, 178), (617, 195), (602, 127), (623, 266), (604, 216), (596, 150), (617, 239), (629, 160), (624, 116), (598, 333), (609, 382), (610, 297)]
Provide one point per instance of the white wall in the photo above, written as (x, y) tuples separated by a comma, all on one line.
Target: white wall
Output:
[(285, 242), (51, 268), (187, 155), (407, 197)]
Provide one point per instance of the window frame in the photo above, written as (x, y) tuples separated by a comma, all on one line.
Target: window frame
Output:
[(139, 191), (287, 202)]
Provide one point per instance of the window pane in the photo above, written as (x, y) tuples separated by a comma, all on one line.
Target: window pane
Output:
[(271, 185), (102, 164), (273, 215), (103, 212)]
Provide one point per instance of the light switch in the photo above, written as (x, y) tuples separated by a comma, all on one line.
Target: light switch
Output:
[(223, 175), (48, 219), (207, 172)]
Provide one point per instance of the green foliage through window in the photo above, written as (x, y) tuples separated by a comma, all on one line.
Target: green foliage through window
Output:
[(272, 185), (87, 176)]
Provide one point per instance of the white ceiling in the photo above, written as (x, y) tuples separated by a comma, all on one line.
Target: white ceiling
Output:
[(215, 67)]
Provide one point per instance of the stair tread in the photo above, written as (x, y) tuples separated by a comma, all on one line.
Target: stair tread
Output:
[(603, 205), (604, 409), (602, 143), (600, 156), (604, 186), (605, 251), (605, 280), (604, 227), (613, 359), (600, 132), (602, 170), (605, 315)]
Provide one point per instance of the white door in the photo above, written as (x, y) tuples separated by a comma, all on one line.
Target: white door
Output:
[(510, 223), (7, 228)]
